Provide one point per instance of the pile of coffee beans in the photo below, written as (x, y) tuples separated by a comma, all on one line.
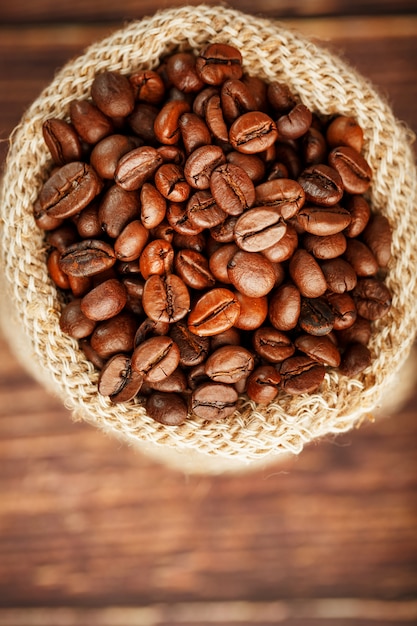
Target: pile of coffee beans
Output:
[(211, 237)]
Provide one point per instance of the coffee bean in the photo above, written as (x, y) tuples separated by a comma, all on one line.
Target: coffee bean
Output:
[(104, 301), (323, 221), (229, 364), (166, 127), (148, 86), (285, 307), (136, 167), (157, 258), (193, 349), (194, 270), (58, 276), (215, 119), (87, 258), (378, 236), (194, 132), (118, 381), (166, 408), (295, 123), (174, 383), (236, 98), (360, 331), (214, 312), (253, 311), (156, 358), (251, 274), (203, 211), (307, 274), (301, 374), (343, 308), (253, 132), (325, 247), (360, 257), (181, 71), (170, 182), (89, 122), (272, 345), (117, 208), (314, 147), (106, 154), (355, 359), (353, 169), (74, 323), (372, 297), (262, 385), (280, 96), (213, 401), (131, 241), (258, 229), (321, 349), (232, 189), (344, 131), (113, 94), (322, 184), (360, 212), (115, 335), (339, 275), (62, 141), (316, 316), (165, 298), (283, 249), (218, 62), (284, 195), (200, 165)]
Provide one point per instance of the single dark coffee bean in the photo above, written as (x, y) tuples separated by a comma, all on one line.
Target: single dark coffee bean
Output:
[(90, 354), (316, 316), (258, 229), (282, 194), (360, 257), (344, 131), (272, 345), (322, 184), (280, 96), (229, 364), (174, 383), (214, 401), (150, 328), (165, 298), (295, 123), (156, 358), (70, 189), (203, 210), (285, 307), (277, 170), (62, 141), (194, 132), (200, 164), (59, 277), (88, 222), (172, 154), (215, 120), (321, 349), (193, 349), (104, 301), (307, 274), (136, 167), (166, 127), (106, 154), (89, 122), (62, 237), (80, 285), (87, 258), (263, 384), (189, 242), (378, 237), (115, 335), (360, 212), (323, 221), (156, 258), (339, 274), (225, 231), (179, 219), (372, 298), (229, 337), (360, 331), (236, 99), (166, 408), (118, 381), (251, 274), (148, 86), (218, 62), (214, 312), (344, 309), (131, 241), (171, 183), (152, 206), (181, 72), (113, 94), (232, 189), (356, 358), (250, 163), (117, 208), (353, 169), (301, 374), (314, 147), (74, 323), (201, 99), (283, 249), (194, 270), (253, 311), (253, 132), (325, 247), (258, 89), (134, 287)]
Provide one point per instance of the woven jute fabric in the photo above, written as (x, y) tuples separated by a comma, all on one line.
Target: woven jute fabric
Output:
[(31, 305)]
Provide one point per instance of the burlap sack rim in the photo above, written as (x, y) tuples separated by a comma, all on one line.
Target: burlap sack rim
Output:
[(327, 85)]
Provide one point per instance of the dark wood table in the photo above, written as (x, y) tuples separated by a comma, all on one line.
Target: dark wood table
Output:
[(94, 534)]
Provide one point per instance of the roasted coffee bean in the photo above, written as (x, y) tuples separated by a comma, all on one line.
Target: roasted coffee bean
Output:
[(359, 332), (114, 335), (152, 206), (201, 99), (323, 221), (283, 249), (339, 274), (80, 285), (272, 345), (156, 358), (165, 298), (215, 119), (263, 384), (203, 210), (229, 364), (225, 231), (360, 257), (321, 349), (344, 131), (325, 247), (136, 167), (148, 86), (166, 408), (316, 316), (182, 73), (117, 208), (301, 374), (356, 358), (282, 194), (189, 242), (372, 298), (170, 182), (118, 381), (178, 217), (280, 97), (253, 311), (113, 94), (70, 189), (149, 328), (88, 222), (253, 132), (56, 273), (87, 258), (232, 189), (277, 170), (89, 122), (284, 307), (156, 258), (62, 141), (62, 237), (134, 287), (106, 154), (104, 301), (213, 401), (295, 123), (172, 154), (194, 132), (214, 312), (344, 309), (378, 236), (166, 127), (131, 241), (258, 229), (236, 98), (307, 274), (251, 274), (193, 349), (174, 383), (194, 270), (258, 88), (218, 62), (314, 147), (200, 165), (353, 169), (322, 184), (74, 323), (250, 163), (360, 212), (229, 337)]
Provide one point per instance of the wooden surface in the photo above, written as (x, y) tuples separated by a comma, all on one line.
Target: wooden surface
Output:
[(94, 534)]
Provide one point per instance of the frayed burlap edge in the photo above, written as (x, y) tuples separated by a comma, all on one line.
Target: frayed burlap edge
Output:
[(31, 306)]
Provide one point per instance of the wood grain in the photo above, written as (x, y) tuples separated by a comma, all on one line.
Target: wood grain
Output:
[(90, 530)]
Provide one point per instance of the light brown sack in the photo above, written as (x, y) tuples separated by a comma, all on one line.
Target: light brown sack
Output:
[(30, 303)]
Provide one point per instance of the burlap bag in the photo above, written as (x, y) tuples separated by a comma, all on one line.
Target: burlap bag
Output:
[(31, 305)]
